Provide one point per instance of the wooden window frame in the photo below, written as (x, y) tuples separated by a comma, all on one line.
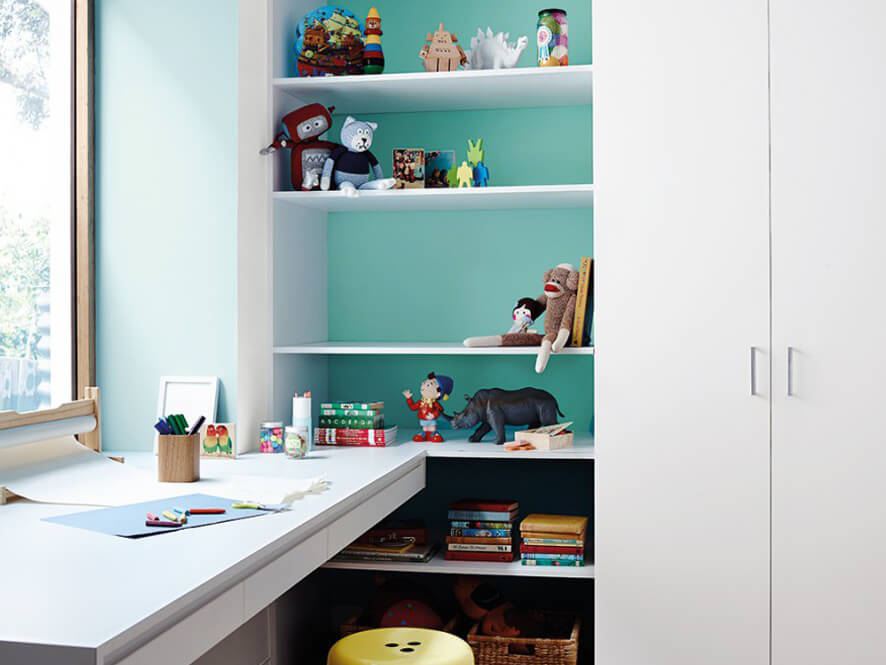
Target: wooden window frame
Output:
[(83, 194)]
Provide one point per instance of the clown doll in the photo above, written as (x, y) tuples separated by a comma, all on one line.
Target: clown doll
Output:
[(434, 388)]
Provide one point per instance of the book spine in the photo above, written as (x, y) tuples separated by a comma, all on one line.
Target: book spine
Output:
[(551, 562), (497, 506), (480, 533), (333, 435), (581, 303), (479, 556), (566, 542), (551, 549), (555, 557), (471, 547), (490, 515), (479, 540), (361, 406), (350, 412), (480, 525), (587, 333), (352, 422)]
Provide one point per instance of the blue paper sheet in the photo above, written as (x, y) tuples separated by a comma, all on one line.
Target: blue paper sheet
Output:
[(129, 521)]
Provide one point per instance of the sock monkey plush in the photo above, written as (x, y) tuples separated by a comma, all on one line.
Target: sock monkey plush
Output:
[(558, 301), (351, 166)]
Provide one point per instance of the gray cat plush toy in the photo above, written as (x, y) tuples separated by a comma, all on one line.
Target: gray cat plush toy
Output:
[(351, 166)]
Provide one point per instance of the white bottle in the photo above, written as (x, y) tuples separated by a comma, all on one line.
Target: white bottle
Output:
[(301, 418)]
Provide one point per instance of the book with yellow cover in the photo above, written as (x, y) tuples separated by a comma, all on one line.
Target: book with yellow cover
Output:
[(552, 526), (581, 302)]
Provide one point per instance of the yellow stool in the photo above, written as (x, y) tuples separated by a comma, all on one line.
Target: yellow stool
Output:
[(403, 646)]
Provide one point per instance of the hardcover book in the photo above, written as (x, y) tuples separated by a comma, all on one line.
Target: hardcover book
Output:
[(564, 542), (353, 422), (555, 557), (362, 406), (479, 540), (551, 562), (471, 547), (350, 412), (538, 523), (542, 549), (490, 515), (479, 556), (354, 437), (467, 524), (584, 306), (480, 533), (508, 506)]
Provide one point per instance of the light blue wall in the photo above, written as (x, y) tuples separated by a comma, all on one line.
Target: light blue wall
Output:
[(166, 181)]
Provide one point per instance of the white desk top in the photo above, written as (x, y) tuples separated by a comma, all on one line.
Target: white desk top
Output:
[(66, 586), (76, 588)]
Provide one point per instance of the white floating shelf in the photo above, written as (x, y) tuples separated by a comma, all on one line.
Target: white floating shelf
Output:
[(522, 87), (465, 198), (456, 446), (439, 564), (420, 349)]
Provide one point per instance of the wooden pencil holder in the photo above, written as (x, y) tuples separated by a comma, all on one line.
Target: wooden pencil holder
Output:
[(178, 458)]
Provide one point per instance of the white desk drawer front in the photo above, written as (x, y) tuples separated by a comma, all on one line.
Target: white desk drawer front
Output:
[(194, 635), (347, 528), (266, 585)]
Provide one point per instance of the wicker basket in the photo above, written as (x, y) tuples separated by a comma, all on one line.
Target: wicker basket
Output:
[(525, 651)]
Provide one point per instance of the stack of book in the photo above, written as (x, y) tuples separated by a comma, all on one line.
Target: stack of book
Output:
[(391, 540), (353, 424), (481, 530), (553, 540)]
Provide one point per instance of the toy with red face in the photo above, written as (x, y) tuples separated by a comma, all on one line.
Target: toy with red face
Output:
[(304, 127)]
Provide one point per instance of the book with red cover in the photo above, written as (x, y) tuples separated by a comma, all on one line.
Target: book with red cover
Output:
[(479, 540), (330, 436), (540, 549), (501, 506), (479, 556)]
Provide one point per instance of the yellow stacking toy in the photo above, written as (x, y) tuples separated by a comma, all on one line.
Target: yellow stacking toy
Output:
[(406, 646)]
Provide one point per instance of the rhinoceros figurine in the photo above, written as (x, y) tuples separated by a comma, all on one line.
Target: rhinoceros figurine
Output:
[(494, 408), (494, 51)]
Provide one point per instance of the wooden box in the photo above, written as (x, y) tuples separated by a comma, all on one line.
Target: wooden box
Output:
[(178, 458), (543, 440)]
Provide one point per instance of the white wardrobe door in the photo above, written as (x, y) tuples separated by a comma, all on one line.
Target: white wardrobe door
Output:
[(829, 277), (682, 294)]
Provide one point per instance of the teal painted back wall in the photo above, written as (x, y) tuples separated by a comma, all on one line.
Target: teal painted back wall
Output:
[(441, 276), (166, 169), (406, 23)]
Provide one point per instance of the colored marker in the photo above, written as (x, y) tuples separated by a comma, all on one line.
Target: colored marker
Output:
[(162, 427), (153, 517), (197, 425), (180, 511), (174, 517), (161, 523), (206, 511)]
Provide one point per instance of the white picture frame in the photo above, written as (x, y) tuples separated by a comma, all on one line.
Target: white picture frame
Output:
[(191, 396)]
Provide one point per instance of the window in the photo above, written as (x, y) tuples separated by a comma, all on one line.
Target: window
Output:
[(37, 212)]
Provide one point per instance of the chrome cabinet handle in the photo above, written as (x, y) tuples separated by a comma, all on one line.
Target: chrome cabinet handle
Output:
[(791, 392), (753, 371)]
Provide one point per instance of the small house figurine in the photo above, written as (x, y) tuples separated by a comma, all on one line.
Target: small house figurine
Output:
[(373, 58), (441, 53)]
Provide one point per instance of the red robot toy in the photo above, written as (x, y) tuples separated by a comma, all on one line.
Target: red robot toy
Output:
[(302, 130)]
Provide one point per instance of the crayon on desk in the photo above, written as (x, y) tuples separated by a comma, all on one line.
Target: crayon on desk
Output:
[(161, 523), (206, 511)]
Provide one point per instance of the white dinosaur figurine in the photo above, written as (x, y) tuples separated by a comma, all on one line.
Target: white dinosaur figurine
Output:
[(494, 51)]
